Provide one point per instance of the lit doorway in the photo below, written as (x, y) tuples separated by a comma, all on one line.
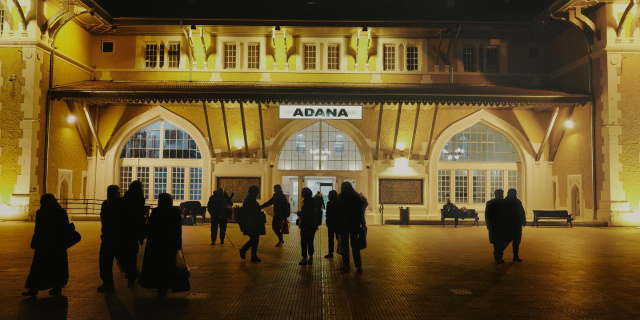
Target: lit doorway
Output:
[(321, 184)]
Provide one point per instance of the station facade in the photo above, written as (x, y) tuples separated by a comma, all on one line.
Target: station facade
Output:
[(411, 115)]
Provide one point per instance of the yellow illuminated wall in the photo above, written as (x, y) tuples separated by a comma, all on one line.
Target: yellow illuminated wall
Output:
[(10, 99), (630, 122)]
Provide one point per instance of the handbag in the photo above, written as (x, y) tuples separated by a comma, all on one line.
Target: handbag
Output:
[(181, 277), (284, 228), (362, 238), (73, 236)]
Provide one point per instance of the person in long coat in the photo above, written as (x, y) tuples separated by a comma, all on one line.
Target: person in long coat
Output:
[(495, 219), (352, 221), (219, 206), (164, 239), (332, 221), (112, 245), (50, 267), (516, 220), (133, 220), (281, 212), (252, 222), (308, 225), (319, 201)]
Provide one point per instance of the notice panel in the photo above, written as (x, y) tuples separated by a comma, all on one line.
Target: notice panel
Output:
[(320, 112)]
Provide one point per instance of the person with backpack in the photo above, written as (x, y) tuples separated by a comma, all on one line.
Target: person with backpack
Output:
[(251, 221), (308, 226), (281, 211)]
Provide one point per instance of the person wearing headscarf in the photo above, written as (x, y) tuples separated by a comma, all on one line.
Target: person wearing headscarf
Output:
[(308, 225), (219, 206), (319, 202), (252, 223), (281, 209), (50, 266), (332, 221), (112, 245), (352, 221), (164, 239), (516, 220), (133, 221)]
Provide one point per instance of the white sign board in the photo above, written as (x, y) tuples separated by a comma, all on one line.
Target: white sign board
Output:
[(320, 112)]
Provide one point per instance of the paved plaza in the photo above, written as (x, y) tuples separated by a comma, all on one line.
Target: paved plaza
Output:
[(410, 272)]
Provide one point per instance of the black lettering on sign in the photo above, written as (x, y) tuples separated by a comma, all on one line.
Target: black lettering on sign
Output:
[(343, 113), (331, 112), (298, 112), (308, 112), (319, 113)]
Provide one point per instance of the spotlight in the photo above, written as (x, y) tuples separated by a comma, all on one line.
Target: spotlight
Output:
[(71, 118), (569, 124)]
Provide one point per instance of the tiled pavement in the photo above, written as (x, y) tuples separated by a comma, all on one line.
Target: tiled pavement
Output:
[(410, 272)]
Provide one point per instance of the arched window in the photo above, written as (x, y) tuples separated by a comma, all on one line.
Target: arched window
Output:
[(320, 146), (474, 163), (165, 159)]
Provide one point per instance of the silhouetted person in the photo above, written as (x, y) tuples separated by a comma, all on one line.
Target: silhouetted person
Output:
[(351, 223), (319, 202), (50, 267), (252, 224), (451, 208), (281, 210), (112, 246), (308, 225), (164, 239), (133, 220), (516, 220), (365, 203), (495, 218), (332, 221), (219, 207)]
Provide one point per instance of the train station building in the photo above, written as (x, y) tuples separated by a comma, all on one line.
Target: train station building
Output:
[(450, 100)]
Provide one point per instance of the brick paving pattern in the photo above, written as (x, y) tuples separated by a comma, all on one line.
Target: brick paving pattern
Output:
[(410, 272)]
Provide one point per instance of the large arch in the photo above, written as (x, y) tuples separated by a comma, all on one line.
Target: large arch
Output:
[(518, 139), (122, 135)]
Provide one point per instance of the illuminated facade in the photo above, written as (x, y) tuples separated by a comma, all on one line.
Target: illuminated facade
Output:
[(178, 105)]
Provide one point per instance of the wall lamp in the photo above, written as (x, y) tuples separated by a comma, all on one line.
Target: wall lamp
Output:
[(569, 124)]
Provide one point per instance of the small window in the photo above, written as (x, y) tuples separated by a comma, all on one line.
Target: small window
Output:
[(481, 59), (333, 57), (534, 52), (1, 20), (151, 55), (309, 56), (174, 55), (253, 56), (389, 57), (230, 56), (107, 46), (161, 55), (493, 59), (469, 59), (412, 58)]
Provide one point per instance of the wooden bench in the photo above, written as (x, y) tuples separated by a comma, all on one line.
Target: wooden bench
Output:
[(459, 214), (551, 214)]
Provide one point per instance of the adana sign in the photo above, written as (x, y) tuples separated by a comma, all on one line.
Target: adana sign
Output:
[(320, 112)]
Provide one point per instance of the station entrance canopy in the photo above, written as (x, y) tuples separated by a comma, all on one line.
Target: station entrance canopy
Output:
[(451, 95)]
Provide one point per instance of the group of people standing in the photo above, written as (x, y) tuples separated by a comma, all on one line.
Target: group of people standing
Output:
[(505, 218)]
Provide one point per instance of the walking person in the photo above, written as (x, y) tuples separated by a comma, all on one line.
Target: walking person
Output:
[(352, 221), (308, 226), (281, 211), (516, 221), (319, 203), (495, 219), (113, 224), (164, 239), (133, 222), (219, 207), (252, 223), (50, 266), (333, 224)]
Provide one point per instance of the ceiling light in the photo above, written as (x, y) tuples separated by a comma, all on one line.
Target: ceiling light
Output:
[(569, 124), (71, 118)]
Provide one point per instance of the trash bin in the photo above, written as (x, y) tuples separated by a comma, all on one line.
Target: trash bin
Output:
[(404, 216)]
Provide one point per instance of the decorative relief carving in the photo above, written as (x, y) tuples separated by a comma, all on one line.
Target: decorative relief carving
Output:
[(401, 191), (237, 185)]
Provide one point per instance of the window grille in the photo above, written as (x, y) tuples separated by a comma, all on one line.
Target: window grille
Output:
[(1, 21), (389, 57), (161, 55), (195, 184), (412, 58), (493, 59), (178, 144), (174, 55), (497, 181), (177, 183), (230, 56), (151, 55), (160, 181), (444, 185), (461, 186), (309, 56), (144, 175), (479, 186), (126, 177), (481, 59), (144, 143), (469, 59), (253, 56), (333, 57), (513, 179), (479, 143)]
